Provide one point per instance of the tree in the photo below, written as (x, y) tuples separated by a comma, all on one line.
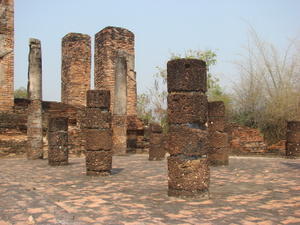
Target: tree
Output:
[(20, 92), (267, 94), (156, 104)]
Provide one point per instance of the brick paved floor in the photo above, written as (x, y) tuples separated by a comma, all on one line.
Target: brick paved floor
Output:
[(249, 191)]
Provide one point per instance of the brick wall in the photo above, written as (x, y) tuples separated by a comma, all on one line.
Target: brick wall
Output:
[(245, 140), (6, 54), (13, 127), (76, 68), (108, 42)]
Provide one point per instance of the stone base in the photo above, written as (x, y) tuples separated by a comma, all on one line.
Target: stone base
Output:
[(156, 152), (218, 157), (292, 150), (58, 153), (98, 161), (188, 176), (56, 163), (203, 194), (98, 173)]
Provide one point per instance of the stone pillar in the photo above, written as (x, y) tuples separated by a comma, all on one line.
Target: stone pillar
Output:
[(293, 139), (34, 121), (6, 55), (157, 150), (75, 68), (96, 121), (112, 45), (188, 144), (58, 141), (218, 154)]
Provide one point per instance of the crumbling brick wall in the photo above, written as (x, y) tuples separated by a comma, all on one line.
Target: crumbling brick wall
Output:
[(76, 68), (6, 55), (245, 140), (13, 127), (108, 42)]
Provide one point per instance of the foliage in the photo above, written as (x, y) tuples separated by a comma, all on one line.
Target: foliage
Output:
[(267, 94), (20, 92), (154, 109)]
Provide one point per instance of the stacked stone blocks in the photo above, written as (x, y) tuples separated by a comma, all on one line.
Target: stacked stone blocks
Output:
[(157, 149), (76, 68), (293, 139), (34, 121), (96, 122), (219, 147), (188, 144), (58, 141)]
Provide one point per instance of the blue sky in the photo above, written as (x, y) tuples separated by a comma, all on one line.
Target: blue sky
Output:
[(160, 27)]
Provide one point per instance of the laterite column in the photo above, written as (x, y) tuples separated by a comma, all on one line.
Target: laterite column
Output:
[(96, 122), (218, 139), (58, 141), (157, 150), (188, 144), (34, 121), (293, 139)]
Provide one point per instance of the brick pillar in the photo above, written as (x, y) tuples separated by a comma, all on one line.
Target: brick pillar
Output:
[(96, 121), (156, 150), (293, 139), (188, 144), (34, 121), (109, 42), (58, 141), (6, 55), (75, 68), (218, 139)]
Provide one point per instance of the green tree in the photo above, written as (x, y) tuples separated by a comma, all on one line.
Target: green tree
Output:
[(157, 94), (20, 92)]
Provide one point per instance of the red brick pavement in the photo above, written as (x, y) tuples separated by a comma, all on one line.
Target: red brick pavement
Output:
[(251, 190)]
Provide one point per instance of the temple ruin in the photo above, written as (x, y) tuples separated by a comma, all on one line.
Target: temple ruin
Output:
[(293, 139), (188, 143), (75, 68), (6, 55)]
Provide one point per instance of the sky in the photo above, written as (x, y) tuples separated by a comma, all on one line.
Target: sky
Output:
[(161, 27)]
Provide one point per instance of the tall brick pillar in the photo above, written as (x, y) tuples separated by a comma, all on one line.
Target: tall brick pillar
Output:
[(293, 139), (34, 121), (114, 70), (188, 144), (96, 122), (6, 55), (75, 68), (58, 153), (218, 139)]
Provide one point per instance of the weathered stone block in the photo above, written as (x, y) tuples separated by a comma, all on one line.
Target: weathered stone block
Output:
[(156, 128), (187, 108), (98, 139), (218, 139), (187, 141), (188, 176), (157, 152), (58, 138), (216, 123), (98, 99), (293, 149), (58, 124), (58, 155), (293, 126), (293, 136), (94, 118), (98, 161), (119, 140), (156, 138), (186, 75), (218, 156), (216, 108)]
